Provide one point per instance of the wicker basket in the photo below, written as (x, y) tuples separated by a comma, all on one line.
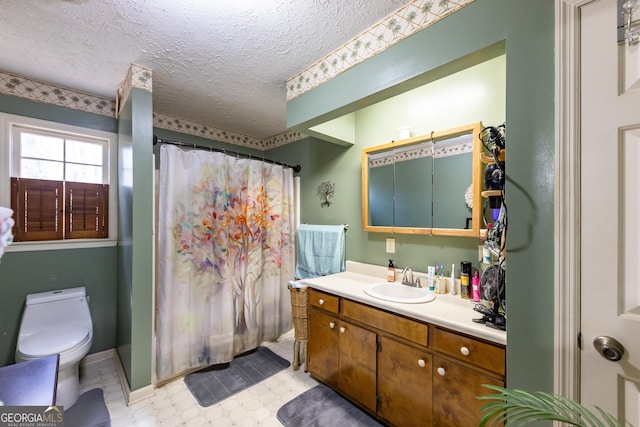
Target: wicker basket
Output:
[(299, 311)]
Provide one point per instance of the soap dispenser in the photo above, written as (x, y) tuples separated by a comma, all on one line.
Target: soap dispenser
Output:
[(391, 272)]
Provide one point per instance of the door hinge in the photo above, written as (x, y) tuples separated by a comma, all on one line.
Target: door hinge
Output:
[(580, 340), (378, 346), (378, 403)]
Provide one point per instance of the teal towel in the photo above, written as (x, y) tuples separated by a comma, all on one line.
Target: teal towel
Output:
[(321, 250)]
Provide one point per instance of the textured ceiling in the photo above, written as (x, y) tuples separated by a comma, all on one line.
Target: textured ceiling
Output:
[(222, 63)]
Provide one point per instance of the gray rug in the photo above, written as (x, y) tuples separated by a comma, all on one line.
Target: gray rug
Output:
[(88, 411), (217, 382), (321, 406)]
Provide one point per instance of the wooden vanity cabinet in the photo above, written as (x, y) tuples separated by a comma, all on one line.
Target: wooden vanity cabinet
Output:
[(405, 372), (322, 347), (357, 364), (404, 384), (455, 391), (456, 385), (404, 368), (341, 354)]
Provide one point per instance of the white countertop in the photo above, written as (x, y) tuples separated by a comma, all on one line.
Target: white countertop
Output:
[(449, 311)]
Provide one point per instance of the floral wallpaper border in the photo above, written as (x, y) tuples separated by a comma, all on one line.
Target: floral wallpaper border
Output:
[(137, 76), (419, 151), (11, 84), (140, 77), (164, 121), (406, 21)]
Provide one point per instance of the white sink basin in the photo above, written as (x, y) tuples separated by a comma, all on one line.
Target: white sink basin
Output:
[(397, 292)]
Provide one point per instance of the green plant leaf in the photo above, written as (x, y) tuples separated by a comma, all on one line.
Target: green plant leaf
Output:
[(520, 408)]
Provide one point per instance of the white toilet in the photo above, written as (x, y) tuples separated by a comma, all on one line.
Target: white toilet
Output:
[(57, 322)]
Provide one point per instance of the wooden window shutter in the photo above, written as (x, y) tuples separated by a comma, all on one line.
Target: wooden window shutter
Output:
[(37, 206), (86, 210)]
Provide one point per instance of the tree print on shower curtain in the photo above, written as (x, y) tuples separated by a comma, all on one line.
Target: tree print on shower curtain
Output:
[(225, 256)]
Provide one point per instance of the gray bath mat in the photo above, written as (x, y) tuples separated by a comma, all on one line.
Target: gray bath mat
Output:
[(88, 411), (217, 382), (321, 406)]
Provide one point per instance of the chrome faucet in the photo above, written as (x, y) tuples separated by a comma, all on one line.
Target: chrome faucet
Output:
[(407, 277)]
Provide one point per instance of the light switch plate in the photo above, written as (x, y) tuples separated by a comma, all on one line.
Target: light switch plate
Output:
[(391, 245)]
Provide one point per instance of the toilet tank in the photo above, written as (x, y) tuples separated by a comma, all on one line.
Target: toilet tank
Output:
[(57, 307), (58, 295)]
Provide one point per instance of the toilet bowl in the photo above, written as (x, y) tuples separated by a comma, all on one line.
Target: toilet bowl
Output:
[(57, 322)]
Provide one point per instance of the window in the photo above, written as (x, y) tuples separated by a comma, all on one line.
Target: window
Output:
[(59, 181), (50, 155)]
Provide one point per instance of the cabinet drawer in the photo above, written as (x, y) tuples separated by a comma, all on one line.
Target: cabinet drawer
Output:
[(327, 302), (484, 355), (400, 326)]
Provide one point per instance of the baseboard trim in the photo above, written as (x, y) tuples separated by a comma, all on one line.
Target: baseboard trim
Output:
[(141, 394), (130, 397), (134, 396), (97, 357)]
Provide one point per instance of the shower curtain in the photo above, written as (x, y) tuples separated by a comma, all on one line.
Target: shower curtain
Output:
[(225, 255)]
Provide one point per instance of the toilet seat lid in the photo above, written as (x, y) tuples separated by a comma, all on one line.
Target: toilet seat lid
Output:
[(50, 341)]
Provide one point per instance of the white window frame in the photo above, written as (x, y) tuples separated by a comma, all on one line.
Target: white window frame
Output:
[(16, 133), (8, 122)]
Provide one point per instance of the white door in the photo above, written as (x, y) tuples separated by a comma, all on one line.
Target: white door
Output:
[(610, 213)]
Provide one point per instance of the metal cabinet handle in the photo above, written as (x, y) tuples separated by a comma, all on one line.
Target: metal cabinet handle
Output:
[(321, 301), (332, 325), (609, 348), (342, 329), (464, 351), (421, 363), (441, 371)]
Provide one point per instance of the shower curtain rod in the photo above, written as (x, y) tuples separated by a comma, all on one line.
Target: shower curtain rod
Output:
[(156, 140)]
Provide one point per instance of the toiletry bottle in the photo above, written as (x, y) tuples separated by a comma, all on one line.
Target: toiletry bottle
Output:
[(465, 272), (431, 272), (486, 255), (475, 287), (391, 272), (452, 280)]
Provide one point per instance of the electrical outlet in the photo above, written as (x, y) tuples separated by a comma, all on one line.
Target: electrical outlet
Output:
[(391, 245)]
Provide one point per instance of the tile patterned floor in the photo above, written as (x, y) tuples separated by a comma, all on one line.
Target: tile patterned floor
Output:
[(173, 404)]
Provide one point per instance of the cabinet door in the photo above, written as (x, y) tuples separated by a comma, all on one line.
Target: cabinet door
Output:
[(322, 347), (455, 388), (358, 364), (404, 384)]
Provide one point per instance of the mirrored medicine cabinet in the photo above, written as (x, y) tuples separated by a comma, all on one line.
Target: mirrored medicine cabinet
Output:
[(428, 184)]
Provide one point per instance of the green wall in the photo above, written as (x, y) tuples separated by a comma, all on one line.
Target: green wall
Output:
[(125, 236), (22, 273), (480, 89), (135, 238), (480, 31), (525, 31), (474, 94), (55, 113)]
